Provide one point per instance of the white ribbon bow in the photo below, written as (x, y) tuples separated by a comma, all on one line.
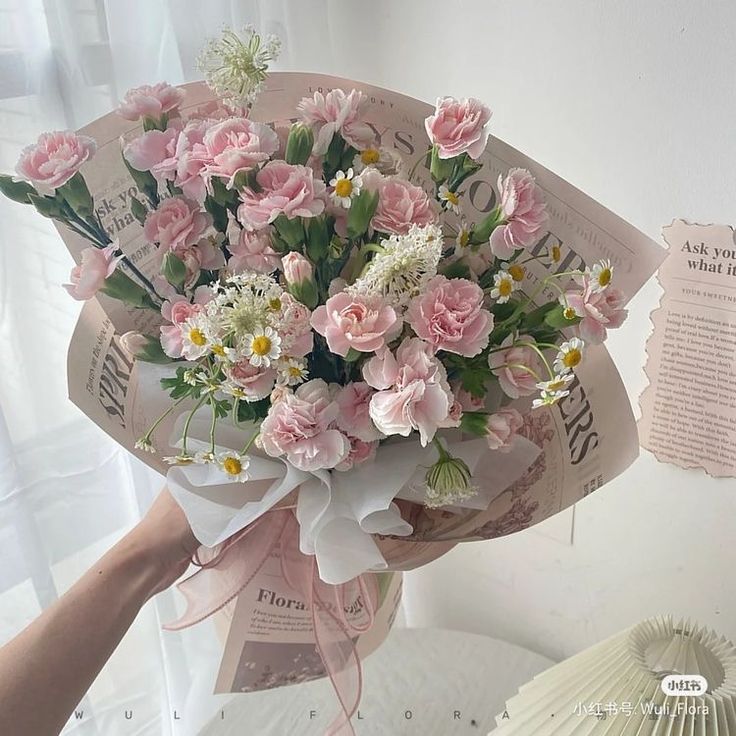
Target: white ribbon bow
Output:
[(338, 512)]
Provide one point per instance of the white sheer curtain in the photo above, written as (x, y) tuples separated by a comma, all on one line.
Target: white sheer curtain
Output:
[(67, 492)]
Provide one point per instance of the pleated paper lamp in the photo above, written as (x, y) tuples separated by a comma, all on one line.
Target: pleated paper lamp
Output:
[(641, 682)]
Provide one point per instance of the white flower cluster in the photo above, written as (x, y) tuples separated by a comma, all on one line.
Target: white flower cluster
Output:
[(403, 267)]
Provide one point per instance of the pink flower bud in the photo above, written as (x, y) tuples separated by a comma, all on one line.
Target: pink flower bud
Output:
[(297, 269)]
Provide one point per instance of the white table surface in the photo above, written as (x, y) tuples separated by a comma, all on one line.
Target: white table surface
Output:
[(448, 682)]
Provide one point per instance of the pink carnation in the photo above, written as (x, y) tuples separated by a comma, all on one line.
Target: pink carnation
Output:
[(517, 367), (154, 151), (256, 382), (192, 159), (600, 311), (360, 452), (502, 427), (285, 190), (450, 316), (177, 310), (54, 159), (297, 338), (97, 264), (354, 418), (524, 213), (253, 252), (297, 269), (337, 112), (401, 204), (356, 322), (177, 223), (417, 397), (150, 101), (299, 426), (458, 126), (236, 145)]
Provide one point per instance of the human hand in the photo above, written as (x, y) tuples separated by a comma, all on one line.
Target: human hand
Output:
[(164, 540)]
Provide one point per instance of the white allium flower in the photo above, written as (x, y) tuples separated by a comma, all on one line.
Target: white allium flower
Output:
[(262, 347), (234, 67), (345, 185), (503, 287), (404, 267), (450, 200), (569, 355)]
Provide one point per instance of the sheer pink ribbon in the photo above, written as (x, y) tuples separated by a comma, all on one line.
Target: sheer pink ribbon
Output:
[(230, 567)]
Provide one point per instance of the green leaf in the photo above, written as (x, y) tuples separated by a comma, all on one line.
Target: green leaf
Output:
[(362, 209), (138, 210), (122, 287), (440, 168), (318, 238), (18, 191), (174, 270), (253, 411), (218, 213), (290, 230), (352, 355), (456, 270), (538, 315), (152, 352), (474, 422), (77, 195), (482, 231), (48, 207), (177, 386), (145, 182), (556, 318)]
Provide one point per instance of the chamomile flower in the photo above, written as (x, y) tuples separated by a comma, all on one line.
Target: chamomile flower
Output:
[(183, 458), (515, 270), (145, 444), (569, 355), (557, 385), (292, 371), (503, 287), (234, 465), (450, 200), (195, 337), (554, 253), (262, 347), (388, 162), (600, 275), (547, 399), (345, 186), (236, 68), (462, 240)]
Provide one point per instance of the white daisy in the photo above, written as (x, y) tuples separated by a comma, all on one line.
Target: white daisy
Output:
[(262, 347), (600, 275), (145, 444), (548, 399), (195, 337), (385, 160), (569, 355), (181, 459), (503, 287), (450, 200), (234, 465), (345, 186), (462, 240), (292, 371), (557, 384)]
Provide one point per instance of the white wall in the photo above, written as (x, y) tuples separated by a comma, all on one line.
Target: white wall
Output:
[(634, 102)]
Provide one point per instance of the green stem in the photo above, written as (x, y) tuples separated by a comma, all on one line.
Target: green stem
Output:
[(247, 445), (163, 416), (185, 432)]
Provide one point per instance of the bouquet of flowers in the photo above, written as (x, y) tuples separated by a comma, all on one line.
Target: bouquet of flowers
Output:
[(349, 358)]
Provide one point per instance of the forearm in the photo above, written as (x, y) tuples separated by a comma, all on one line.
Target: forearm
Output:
[(46, 670)]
